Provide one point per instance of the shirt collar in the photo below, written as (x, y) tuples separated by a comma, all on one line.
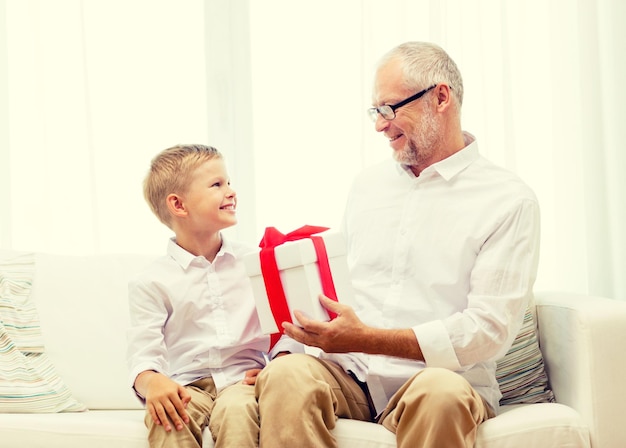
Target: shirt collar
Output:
[(185, 258), (457, 162)]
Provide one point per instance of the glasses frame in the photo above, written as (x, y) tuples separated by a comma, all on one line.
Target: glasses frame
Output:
[(375, 111)]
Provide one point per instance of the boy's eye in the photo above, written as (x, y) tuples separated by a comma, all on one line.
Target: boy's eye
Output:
[(220, 183)]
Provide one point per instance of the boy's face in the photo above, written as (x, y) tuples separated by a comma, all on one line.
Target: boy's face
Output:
[(210, 201)]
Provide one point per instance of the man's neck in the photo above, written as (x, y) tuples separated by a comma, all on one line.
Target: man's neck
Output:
[(445, 150)]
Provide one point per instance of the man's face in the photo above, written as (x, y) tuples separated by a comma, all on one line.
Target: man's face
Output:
[(415, 132)]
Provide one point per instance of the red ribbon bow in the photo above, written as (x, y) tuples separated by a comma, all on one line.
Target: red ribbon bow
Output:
[(271, 276)]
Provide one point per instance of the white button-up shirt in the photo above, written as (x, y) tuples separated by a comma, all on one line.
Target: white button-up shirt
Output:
[(451, 254), (192, 319)]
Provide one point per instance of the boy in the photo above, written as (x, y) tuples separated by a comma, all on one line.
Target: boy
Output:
[(195, 343)]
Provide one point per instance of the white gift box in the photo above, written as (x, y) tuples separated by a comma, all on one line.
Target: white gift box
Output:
[(300, 277)]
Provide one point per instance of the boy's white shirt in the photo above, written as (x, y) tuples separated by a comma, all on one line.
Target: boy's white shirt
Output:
[(192, 319)]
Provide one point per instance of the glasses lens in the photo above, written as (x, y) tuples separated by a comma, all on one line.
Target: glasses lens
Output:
[(387, 112)]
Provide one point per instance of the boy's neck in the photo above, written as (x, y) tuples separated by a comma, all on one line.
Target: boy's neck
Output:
[(207, 246)]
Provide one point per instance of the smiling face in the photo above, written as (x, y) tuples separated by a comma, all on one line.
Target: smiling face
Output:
[(209, 202), (415, 133)]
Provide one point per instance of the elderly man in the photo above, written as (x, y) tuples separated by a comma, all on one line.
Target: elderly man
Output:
[(443, 254)]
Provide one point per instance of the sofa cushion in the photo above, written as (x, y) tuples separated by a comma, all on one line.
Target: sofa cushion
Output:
[(89, 295), (545, 424), (91, 429), (29, 382), (534, 425), (529, 425), (521, 373)]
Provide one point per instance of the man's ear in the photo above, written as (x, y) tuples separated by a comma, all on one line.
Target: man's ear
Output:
[(175, 205), (444, 96)]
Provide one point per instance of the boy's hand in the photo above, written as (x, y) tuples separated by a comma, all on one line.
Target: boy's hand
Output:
[(250, 377), (166, 401)]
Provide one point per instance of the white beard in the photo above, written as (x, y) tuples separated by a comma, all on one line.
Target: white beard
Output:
[(419, 148)]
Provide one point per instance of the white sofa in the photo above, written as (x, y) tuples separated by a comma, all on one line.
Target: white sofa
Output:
[(82, 306)]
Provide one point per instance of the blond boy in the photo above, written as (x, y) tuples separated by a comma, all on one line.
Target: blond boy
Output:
[(195, 343)]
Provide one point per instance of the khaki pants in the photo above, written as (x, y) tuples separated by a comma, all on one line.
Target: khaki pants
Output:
[(231, 414), (300, 397)]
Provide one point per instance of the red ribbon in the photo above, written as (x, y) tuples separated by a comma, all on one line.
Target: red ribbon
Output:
[(271, 277)]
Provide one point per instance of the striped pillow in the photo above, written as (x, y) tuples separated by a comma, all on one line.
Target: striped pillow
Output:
[(28, 380), (521, 372)]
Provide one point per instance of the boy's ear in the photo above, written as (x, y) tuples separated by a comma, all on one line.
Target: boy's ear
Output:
[(175, 205)]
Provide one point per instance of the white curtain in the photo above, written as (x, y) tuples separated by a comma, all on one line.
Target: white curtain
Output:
[(91, 90)]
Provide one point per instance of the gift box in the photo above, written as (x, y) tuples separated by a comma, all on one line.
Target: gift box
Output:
[(300, 278)]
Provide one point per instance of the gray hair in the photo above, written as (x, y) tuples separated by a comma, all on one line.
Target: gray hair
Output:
[(425, 64)]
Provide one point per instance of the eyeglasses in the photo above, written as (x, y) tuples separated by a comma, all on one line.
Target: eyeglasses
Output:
[(388, 111)]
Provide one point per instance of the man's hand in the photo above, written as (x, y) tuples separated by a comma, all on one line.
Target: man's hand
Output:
[(346, 333), (166, 400), (342, 334)]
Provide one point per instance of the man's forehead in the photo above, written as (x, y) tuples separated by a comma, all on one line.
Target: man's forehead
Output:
[(388, 83)]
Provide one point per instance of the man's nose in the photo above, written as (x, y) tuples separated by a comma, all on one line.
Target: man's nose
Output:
[(381, 123)]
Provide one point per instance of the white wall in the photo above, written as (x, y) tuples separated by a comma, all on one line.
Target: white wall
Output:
[(91, 91)]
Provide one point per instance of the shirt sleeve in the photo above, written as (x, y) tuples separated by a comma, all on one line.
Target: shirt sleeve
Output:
[(286, 344), (435, 344), (501, 283), (148, 314)]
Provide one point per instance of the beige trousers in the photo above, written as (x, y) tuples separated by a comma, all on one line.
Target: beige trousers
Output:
[(301, 396), (231, 414)]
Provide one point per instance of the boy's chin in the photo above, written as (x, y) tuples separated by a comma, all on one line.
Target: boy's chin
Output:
[(229, 223)]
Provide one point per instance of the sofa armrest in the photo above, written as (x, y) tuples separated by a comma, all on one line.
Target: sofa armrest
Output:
[(583, 341)]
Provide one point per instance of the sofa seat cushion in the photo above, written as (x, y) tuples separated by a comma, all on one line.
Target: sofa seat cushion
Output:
[(517, 426), (521, 426), (540, 424), (93, 429)]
